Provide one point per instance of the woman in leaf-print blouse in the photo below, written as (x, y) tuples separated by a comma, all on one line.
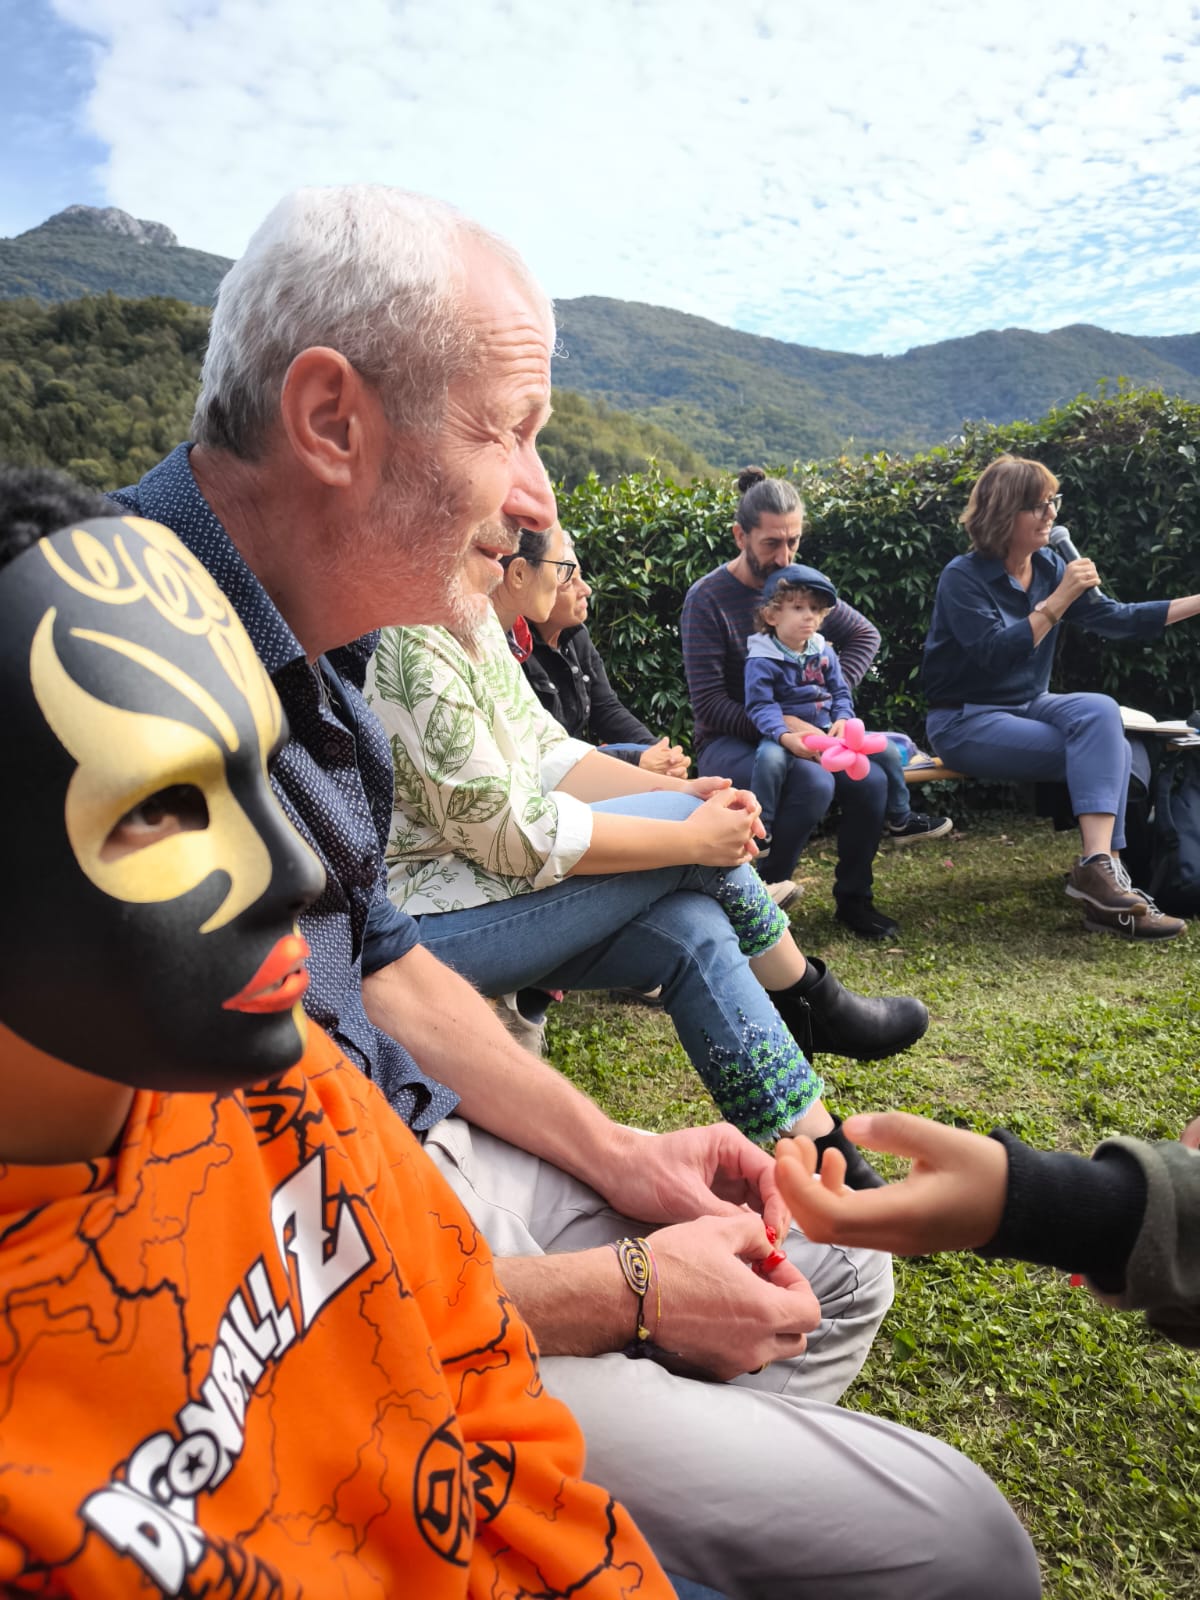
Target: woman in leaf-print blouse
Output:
[(529, 857)]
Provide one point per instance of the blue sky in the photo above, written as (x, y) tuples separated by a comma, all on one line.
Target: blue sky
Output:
[(864, 176)]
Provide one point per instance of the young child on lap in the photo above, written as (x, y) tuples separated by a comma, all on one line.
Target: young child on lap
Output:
[(791, 671)]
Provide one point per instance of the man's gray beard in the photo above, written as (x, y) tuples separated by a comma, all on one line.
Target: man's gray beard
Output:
[(407, 524), (467, 611), (413, 509)]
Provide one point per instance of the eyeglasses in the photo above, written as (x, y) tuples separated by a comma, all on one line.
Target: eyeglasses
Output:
[(566, 569), (1043, 506)]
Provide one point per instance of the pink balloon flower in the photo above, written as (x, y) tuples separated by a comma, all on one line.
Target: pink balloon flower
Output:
[(848, 753)]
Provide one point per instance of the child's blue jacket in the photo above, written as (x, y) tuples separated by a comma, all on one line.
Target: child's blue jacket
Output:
[(778, 685)]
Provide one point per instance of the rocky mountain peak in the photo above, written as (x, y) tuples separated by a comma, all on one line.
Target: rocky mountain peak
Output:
[(108, 219)]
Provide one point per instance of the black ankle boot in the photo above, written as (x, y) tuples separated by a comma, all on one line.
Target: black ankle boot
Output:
[(824, 1017), (860, 1174)]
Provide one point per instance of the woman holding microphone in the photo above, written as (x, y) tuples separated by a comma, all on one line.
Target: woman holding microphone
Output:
[(988, 656)]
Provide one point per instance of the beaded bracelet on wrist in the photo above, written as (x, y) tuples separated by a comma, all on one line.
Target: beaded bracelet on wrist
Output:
[(641, 1274)]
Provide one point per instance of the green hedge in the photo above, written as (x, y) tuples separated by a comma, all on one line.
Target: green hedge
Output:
[(884, 527)]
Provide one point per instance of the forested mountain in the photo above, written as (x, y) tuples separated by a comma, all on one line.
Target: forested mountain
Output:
[(586, 435), (721, 396), (739, 397), (105, 387), (89, 249)]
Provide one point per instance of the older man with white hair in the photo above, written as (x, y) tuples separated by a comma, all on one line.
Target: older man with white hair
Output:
[(365, 451)]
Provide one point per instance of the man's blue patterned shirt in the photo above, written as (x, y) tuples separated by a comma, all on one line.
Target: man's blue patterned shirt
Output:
[(334, 780)]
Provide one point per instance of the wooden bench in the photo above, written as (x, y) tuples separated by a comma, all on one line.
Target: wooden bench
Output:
[(927, 774)]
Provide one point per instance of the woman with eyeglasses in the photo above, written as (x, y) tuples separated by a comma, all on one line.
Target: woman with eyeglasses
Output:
[(530, 858), (568, 676), (988, 656)]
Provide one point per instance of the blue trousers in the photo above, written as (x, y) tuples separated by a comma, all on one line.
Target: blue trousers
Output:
[(770, 771), (690, 929), (805, 795), (1076, 738)]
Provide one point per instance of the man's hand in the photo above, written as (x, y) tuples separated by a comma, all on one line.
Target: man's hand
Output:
[(721, 832), (952, 1199), (666, 758), (696, 1172), (717, 1313)]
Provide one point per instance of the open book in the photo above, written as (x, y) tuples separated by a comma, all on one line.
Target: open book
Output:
[(1142, 722)]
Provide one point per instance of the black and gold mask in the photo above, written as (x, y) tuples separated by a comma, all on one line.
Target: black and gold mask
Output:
[(148, 914)]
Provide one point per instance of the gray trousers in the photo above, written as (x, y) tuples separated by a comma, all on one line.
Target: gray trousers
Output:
[(763, 1488)]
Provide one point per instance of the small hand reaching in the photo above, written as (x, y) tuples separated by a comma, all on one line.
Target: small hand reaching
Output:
[(952, 1199)]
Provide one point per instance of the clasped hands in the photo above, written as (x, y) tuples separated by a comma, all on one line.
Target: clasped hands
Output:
[(725, 830)]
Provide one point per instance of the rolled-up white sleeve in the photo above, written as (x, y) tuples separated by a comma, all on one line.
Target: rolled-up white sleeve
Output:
[(560, 759)]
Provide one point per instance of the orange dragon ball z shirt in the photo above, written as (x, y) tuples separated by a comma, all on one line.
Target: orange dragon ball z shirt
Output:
[(261, 1352)]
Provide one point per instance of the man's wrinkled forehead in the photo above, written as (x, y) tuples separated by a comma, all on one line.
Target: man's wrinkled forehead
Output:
[(509, 316), (491, 276)]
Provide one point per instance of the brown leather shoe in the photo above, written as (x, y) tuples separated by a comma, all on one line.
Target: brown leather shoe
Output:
[(1151, 924), (1104, 884)]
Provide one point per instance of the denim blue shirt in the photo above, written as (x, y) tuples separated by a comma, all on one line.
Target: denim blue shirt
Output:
[(980, 649), (334, 780)]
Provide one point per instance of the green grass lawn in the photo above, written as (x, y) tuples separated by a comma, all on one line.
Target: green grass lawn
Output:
[(1089, 1423)]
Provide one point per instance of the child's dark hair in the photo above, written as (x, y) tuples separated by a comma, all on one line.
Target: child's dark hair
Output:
[(781, 590), (35, 501)]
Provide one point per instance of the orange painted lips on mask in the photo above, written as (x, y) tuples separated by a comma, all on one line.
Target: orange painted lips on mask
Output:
[(279, 982)]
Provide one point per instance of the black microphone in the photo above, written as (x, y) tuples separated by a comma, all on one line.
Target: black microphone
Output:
[(1060, 540)]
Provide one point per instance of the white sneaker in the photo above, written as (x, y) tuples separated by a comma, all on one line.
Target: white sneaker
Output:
[(784, 893)]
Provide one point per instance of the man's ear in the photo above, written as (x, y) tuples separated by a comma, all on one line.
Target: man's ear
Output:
[(329, 415), (739, 536)]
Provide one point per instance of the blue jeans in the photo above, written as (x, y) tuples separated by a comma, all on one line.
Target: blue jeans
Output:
[(1076, 738), (690, 929), (770, 771), (805, 796), (685, 1589), (898, 804)]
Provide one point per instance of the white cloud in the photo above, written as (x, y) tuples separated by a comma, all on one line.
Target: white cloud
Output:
[(865, 176)]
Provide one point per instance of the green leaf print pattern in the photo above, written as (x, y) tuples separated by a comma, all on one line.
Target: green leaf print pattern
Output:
[(448, 738), (477, 799), (403, 669), (465, 829)]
